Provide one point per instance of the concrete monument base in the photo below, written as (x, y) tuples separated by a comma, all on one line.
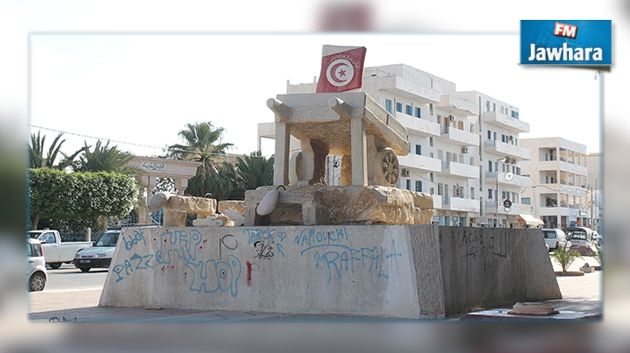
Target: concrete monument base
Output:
[(405, 271)]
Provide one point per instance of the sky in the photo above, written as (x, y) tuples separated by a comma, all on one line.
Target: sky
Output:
[(140, 90)]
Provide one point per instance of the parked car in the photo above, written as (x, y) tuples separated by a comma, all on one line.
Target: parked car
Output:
[(37, 275), (581, 240), (579, 235), (99, 255), (57, 252), (555, 238)]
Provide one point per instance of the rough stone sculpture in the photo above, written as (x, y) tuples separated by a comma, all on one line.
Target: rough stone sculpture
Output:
[(321, 204), (175, 207), (351, 125)]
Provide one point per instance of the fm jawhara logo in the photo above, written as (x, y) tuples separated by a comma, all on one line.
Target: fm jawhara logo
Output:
[(566, 42)]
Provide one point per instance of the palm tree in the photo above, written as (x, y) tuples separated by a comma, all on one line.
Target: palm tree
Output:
[(254, 170), (105, 158), (201, 144), (36, 151), (220, 185)]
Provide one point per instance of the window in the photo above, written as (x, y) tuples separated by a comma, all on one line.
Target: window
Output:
[(399, 107), (472, 128), (440, 187), (408, 184), (408, 110), (494, 107), (431, 177), (472, 192), (487, 106), (389, 106), (431, 141), (48, 238), (419, 150), (432, 191), (431, 108), (431, 155), (418, 112), (489, 135), (489, 194), (489, 166), (525, 200), (460, 125), (419, 185)]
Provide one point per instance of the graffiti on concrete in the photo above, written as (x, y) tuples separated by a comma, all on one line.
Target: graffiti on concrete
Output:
[(265, 240), (485, 246), (134, 239), (264, 249), (215, 275), (181, 249), (331, 252)]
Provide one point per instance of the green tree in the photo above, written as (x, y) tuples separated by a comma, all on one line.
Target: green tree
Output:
[(40, 158), (105, 158), (254, 170), (220, 184), (202, 143), (565, 256), (78, 199)]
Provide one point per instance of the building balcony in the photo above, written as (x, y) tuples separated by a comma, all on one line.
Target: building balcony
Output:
[(516, 209), (461, 204), (401, 87), (421, 163), (460, 137), (457, 105), (437, 202), (562, 166), (517, 180), (562, 189), (460, 169), (557, 211), (506, 149), (505, 121), (418, 125)]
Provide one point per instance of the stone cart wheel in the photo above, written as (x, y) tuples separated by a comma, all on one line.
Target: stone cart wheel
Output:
[(389, 167)]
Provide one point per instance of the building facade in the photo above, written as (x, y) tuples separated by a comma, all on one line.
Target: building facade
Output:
[(455, 155), (559, 192)]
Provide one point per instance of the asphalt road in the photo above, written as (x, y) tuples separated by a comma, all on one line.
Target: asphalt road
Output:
[(67, 288)]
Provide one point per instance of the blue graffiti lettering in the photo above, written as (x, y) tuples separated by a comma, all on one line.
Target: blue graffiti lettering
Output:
[(338, 258), (215, 275)]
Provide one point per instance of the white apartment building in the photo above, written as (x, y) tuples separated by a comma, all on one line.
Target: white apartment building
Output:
[(594, 181), (501, 156), (559, 193), (445, 131)]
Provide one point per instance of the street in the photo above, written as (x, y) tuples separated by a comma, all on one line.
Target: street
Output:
[(71, 294), (69, 288)]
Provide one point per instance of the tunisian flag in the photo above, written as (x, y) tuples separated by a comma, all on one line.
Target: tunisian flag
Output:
[(342, 68)]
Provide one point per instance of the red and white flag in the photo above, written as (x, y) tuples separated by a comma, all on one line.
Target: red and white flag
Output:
[(342, 68)]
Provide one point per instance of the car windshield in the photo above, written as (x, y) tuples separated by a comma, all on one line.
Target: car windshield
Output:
[(108, 239), (578, 234), (549, 234), (34, 235), (33, 250)]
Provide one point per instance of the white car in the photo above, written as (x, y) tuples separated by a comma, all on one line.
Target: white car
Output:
[(37, 274), (554, 238)]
